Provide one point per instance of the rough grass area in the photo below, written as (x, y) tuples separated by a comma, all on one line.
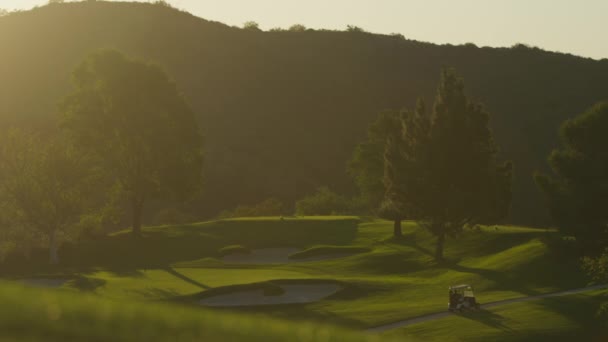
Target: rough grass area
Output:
[(42, 315), (569, 318), (319, 251), (233, 249)]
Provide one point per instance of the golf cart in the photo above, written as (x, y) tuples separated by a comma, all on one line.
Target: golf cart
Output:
[(462, 298)]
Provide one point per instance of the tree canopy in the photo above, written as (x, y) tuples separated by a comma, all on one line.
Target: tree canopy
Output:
[(132, 117), (45, 185), (283, 112), (577, 191), (442, 168)]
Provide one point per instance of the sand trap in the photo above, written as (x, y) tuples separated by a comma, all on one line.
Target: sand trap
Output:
[(276, 256), (50, 283), (294, 294)]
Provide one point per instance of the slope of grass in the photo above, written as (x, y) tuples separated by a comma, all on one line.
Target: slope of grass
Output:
[(570, 318), (392, 281), (318, 251), (39, 315)]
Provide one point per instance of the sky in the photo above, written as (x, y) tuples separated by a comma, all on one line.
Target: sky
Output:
[(572, 26)]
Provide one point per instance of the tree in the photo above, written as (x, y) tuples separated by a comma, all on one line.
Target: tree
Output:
[(406, 143), (43, 185), (355, 29), (447, 175), (132, 117), (297, 28), (251, 25), (366, 166), (577, 192)]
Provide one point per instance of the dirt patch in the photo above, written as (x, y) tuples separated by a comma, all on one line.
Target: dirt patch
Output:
[(292, 294)]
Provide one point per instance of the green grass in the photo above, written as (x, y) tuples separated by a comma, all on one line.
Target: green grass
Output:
[(328, 251), (42, 315), (390, 281), (570, 318)]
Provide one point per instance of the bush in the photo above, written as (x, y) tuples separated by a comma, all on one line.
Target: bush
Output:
[(323, 202), (597, 268), (269, 207)]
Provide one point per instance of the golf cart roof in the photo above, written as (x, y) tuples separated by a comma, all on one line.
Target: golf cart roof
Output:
[(458, 287)]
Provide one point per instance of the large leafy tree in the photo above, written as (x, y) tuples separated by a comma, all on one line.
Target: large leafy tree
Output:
[(44, 186), (131, 116), (447, 175), (577, 192)]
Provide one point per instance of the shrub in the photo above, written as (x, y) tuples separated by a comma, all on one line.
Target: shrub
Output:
[(597, 268), (323, 202), (269, 207)]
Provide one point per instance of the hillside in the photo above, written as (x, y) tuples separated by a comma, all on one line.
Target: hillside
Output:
[(381, 282), (43, 315), (377, 281), (282, 111)]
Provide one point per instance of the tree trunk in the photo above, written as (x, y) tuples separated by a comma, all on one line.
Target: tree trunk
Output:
[(397, 233), (439, 247), (53, 248), (137, 206)]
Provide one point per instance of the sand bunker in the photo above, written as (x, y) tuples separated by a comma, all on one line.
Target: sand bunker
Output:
[(294, 294), (276, 256), (45, 282)]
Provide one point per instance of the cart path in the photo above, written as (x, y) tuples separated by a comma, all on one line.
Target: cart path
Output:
[(439, 315)]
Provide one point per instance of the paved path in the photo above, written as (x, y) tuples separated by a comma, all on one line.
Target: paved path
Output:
[(439, 315)]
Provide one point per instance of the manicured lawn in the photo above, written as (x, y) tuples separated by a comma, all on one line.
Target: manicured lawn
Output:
[(387, 281), (570, 318)]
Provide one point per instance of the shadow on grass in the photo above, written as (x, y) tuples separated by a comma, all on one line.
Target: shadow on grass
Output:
[(488, 318), (176, 274), (155, 293), (86, 284)]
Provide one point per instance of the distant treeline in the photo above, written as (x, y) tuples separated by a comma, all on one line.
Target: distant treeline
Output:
[(282, 111)]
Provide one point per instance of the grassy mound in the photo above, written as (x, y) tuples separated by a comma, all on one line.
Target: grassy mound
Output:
[(569, 318), (35, 315), (233, 249), (318, 251)]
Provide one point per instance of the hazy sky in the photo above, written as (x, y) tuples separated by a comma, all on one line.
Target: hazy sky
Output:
[(575, 26)]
